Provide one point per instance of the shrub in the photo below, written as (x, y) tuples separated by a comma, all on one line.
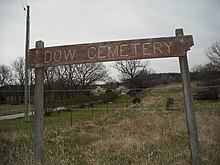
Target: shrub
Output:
[(48, 111), (133, 92), (206, 94), (14, 103), (81, 100), (136, 100), (169, 102)]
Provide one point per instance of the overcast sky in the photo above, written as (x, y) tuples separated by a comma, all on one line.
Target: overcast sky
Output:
[(61, 22)]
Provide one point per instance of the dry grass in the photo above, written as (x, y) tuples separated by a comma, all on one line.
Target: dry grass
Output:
[(135, 140), (154, 138), (150, 137)]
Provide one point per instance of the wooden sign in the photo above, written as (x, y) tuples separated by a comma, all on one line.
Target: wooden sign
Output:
[(110, 51)]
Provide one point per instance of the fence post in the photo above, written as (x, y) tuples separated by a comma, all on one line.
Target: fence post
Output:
[(92, 111), (71, 119), (107, 108), (38, 112), (188, 100)]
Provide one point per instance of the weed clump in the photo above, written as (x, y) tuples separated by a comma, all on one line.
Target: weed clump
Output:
[(169, 103), (206, 94), (136, 100)]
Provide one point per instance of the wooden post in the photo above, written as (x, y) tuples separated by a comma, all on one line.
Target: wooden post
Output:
[(26, 95), (107, 108), (38, 113), (92, 112), (71, 119), (190, 114)]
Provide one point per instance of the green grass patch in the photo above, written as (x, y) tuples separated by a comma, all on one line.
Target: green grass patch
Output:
[(8, 109)]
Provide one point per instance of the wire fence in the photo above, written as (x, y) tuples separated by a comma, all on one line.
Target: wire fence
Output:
[(84, 98), (149, 99)]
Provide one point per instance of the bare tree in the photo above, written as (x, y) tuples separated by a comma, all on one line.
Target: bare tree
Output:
[(19, 69), (32, 76), (131, 70), (213, 53), (209, 73), (60, 72), (80, 75), (207, 68), (75, 76), (90, 73), (6, 77), (50, 76), (71, 79)]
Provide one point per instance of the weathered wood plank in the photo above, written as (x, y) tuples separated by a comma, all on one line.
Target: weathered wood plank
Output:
[(110, 51)]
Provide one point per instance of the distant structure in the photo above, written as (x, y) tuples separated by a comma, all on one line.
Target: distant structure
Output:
[(121, 90), (98, 91)]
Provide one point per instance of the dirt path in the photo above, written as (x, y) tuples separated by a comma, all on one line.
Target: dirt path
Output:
[(15, 116)]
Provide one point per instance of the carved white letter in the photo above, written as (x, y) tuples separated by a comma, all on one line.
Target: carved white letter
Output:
[(47, 57), (69, 53), (57, 55), (168, 47), (91, 56)]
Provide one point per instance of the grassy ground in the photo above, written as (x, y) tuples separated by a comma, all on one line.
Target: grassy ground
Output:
[(139, 134), (7, 109)]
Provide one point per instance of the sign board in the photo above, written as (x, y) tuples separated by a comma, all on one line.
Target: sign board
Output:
[(110, 51)]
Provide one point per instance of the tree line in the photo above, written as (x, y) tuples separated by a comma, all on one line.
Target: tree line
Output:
[(68, 77), (209, 73)]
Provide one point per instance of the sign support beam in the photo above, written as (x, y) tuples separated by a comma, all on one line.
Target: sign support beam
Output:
[(190, 114), (38, 112)]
